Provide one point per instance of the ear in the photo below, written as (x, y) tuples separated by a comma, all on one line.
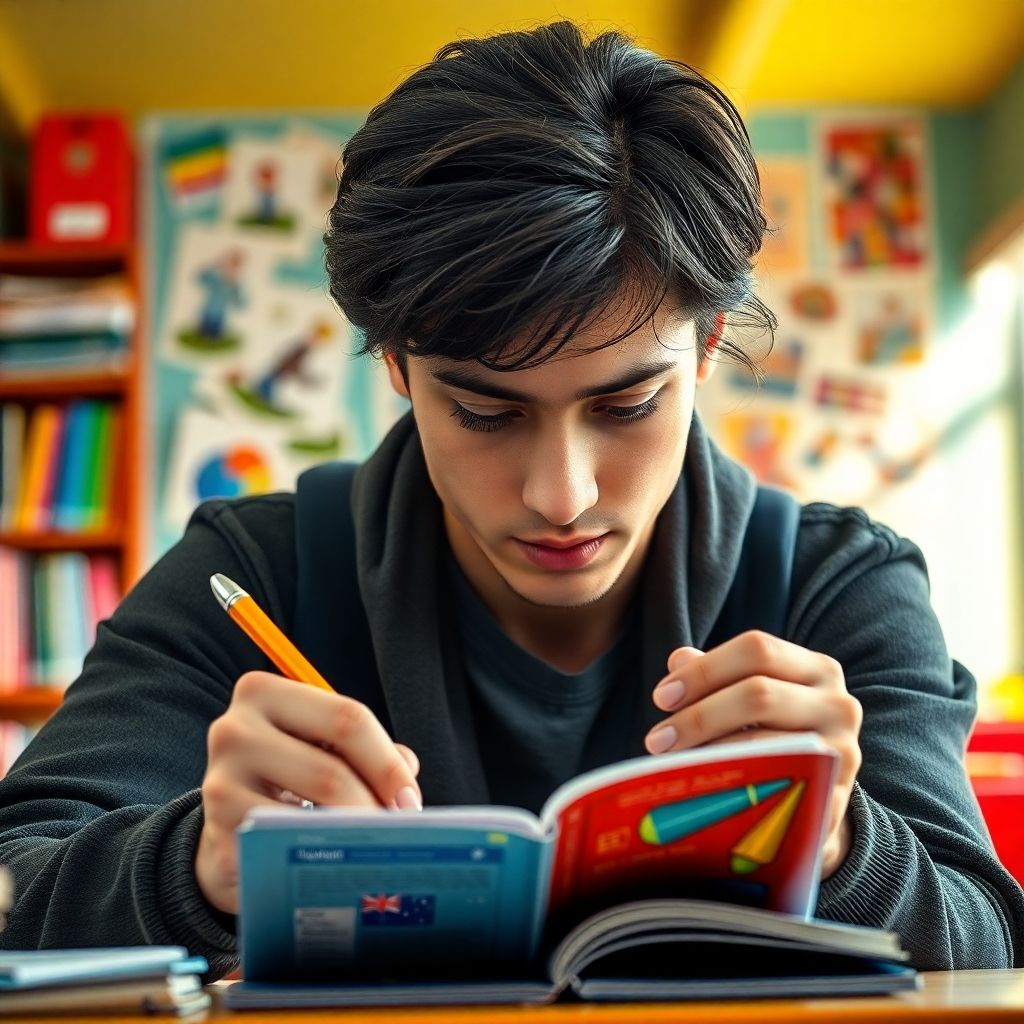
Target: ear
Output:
[(395, 376), (707, 366)]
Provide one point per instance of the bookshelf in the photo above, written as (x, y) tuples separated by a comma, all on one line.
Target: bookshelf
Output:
[(122, 387)]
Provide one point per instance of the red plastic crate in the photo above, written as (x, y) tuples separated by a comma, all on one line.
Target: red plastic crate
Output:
[(997, 776), (81, 180)]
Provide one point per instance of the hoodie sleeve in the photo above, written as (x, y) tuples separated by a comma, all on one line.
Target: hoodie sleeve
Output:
[(921, 862), (100, 816)]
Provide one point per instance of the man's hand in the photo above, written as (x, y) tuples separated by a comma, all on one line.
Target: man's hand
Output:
[(757, 685), (280, 742)]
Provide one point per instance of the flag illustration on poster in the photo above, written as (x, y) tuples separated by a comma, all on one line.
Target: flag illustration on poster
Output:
[(380, 909)]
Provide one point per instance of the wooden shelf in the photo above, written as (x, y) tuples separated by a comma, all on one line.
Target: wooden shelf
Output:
[(107, 382), (55, 540), (23, 257), (30, 706)]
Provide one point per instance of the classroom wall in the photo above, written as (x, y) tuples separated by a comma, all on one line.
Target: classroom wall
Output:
[(999, 151), (960, 508)]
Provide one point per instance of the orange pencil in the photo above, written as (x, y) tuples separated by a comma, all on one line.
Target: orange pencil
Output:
[(262, 631)]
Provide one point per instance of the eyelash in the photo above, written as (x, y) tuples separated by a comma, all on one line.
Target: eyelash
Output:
[(488, 424)]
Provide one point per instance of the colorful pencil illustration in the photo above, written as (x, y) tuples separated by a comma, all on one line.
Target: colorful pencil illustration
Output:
[(670, 822), (760, 845)]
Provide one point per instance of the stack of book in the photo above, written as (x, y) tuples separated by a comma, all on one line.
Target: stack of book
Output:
[(151, 979), (50, 605), (57, 466), (64, 325)]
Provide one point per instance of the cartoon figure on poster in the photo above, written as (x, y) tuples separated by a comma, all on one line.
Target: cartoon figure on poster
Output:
[(273, 191), (290, 365), (293, 378), (215, 302), (220, 284), (265, 180), (876, 208)]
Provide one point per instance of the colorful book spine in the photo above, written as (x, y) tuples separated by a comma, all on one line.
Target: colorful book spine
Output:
[(40, 454), (11, 456), (104, 588), (101, 495), (41, 643), (99, 456), (73, 466)]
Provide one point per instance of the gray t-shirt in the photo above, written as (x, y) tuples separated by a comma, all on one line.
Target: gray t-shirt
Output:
[(538, 727)]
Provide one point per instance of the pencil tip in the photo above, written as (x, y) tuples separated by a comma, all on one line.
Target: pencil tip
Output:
[(225, 589)]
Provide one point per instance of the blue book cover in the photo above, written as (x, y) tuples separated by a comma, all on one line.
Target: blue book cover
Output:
[(371, 900), (24, 969)]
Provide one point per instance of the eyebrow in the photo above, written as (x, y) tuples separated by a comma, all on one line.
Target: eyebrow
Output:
[(468, 381)]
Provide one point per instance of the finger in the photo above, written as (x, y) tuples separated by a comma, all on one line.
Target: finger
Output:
[(753, 653), (276, 761), (226, 802), (682, 656), (410, 757), (344, 725), (748, 735), (769, 703)]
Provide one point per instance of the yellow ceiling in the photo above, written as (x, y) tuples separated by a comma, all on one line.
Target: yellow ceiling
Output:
[(141, 55)]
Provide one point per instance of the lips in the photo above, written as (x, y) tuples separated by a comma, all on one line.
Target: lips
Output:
[(559, 555)]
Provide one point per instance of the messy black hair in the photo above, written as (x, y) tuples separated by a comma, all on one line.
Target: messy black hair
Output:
[(505, 194)]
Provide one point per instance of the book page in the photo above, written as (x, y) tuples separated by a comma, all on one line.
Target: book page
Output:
[(741, 823)]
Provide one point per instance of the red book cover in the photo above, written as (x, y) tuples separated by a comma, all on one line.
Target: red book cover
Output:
[(728, 827)]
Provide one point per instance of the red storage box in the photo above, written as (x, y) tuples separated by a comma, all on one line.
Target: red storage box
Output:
[(995, 763), (81, 180)]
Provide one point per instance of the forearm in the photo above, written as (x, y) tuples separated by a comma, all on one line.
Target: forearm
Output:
[(125, 877), (947, 917)]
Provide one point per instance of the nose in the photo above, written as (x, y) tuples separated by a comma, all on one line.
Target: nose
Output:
[(560, 481)]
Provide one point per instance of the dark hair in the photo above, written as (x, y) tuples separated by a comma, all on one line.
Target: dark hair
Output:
[(519, 183)]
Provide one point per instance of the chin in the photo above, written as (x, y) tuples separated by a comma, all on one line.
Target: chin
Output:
[(565, 590)]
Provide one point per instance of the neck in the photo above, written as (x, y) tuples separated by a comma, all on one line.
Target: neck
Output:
[(569, 639)]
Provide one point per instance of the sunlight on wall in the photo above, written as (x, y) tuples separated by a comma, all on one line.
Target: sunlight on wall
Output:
[(962, 507)]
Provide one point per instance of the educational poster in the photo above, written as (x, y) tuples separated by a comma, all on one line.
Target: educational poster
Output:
[(785, 191), (252, 372), (833, 412), (874, 194)]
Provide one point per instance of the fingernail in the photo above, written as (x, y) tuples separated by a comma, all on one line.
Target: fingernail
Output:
[(669, 694), (661, 739), (408, 799)]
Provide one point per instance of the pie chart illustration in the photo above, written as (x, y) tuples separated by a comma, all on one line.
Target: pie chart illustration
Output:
[(232, 473)]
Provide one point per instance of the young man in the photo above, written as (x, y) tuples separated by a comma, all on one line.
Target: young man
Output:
[(542, 238)]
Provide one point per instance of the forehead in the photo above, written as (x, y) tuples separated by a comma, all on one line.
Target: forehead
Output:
[(581, 363)]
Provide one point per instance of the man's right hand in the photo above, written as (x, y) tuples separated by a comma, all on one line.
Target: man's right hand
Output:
[(279, 742)]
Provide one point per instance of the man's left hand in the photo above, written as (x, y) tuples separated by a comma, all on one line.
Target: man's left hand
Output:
[(757, 685)]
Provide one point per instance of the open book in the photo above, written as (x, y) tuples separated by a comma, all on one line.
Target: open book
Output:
[(693, 872)]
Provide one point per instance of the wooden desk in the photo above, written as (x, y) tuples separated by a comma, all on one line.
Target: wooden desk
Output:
[(962, 997)]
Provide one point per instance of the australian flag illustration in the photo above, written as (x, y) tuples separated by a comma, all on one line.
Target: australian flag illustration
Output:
[(381, 910)]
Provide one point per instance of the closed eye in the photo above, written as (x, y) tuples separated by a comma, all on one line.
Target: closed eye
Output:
[(487, 424)]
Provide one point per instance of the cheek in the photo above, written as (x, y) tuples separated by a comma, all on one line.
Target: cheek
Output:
[(646, 461)]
